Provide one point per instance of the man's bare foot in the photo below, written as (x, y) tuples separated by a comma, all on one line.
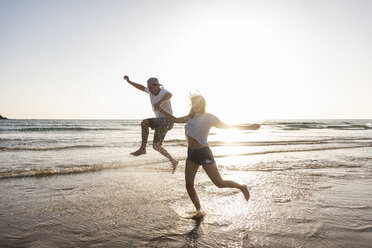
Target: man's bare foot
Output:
[(245, 192), (138, 152), (174, 165)]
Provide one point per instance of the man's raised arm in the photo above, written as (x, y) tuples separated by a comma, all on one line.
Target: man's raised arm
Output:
[(138, 86)]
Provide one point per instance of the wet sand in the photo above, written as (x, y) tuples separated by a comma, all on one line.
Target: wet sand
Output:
[(145, 207)]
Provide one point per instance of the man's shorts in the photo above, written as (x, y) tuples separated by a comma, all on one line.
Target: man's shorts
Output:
[(161, 126)]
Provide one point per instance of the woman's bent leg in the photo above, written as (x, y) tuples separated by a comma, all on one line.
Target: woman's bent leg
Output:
[(215, 176)]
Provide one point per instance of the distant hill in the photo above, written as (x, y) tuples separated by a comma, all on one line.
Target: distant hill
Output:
[(2, 117)]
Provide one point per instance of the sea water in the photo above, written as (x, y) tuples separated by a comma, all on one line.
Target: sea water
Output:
[(310, 183)]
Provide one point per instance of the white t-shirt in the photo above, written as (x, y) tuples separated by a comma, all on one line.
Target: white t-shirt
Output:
[(165, 105), (199, 125)]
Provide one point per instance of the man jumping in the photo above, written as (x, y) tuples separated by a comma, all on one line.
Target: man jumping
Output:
[(159, 97)]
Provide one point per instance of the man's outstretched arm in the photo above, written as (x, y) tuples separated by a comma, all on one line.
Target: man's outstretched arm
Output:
[(138, 86)]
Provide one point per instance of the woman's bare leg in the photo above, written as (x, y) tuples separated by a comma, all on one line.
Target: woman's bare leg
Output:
[(214, 175), (190, 172)]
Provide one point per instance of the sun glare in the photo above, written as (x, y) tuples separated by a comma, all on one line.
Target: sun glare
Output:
[(228, 135)]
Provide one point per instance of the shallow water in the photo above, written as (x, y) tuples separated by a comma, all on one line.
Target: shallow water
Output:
[(310, 187)]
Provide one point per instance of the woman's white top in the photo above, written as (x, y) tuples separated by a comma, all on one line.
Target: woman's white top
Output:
[(167, 106), (199, 125)]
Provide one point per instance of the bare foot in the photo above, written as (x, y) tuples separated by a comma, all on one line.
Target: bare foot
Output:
[(195, 214), (174, 165), (245, 192), (199, 215), (138, 152)]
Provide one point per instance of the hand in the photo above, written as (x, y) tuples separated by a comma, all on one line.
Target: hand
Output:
[(158, 109), (126, 78), (157, 106), (250, 127), (255, 126)]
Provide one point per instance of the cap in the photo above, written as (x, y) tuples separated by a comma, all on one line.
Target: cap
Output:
[(153, 81)]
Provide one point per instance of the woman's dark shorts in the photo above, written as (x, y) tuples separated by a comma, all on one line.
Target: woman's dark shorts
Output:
[(202, 156), (161, 126)]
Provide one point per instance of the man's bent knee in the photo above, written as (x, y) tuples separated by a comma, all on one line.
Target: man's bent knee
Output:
[(145, 123), (156, 146)]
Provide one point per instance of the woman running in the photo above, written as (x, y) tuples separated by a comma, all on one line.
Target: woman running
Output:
[(198, 123)]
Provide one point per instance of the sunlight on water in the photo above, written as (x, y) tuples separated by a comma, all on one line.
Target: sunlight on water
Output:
[(233, 135), (228, 135)]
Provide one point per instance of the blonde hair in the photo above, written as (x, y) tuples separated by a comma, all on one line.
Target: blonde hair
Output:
[(198, 104)]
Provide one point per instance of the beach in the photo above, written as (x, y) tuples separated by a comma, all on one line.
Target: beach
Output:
[(73, 184)]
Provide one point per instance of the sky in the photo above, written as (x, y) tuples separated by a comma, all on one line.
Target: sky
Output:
[(251, 60)]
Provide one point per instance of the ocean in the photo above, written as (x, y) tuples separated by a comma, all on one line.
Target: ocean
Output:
[(72, 183)]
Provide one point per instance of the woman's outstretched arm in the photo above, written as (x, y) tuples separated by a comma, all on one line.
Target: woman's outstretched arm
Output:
[(223, 125), (171, 117)]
